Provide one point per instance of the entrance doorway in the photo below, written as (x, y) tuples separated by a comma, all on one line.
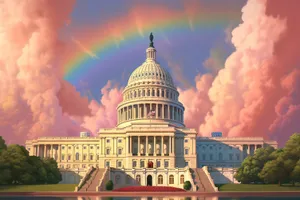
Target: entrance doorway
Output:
[(150, 164), (149, 180)]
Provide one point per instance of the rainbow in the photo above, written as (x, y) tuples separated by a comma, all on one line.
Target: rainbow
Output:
[(131, 29)]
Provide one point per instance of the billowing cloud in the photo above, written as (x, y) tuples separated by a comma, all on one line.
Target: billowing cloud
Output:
[(196, 101), (104, 115), (257, 93), (29, 81)]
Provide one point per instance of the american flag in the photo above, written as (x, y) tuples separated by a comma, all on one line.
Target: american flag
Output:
[(151, 113)]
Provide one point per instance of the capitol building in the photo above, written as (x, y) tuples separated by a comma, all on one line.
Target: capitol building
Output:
[(150, 144)]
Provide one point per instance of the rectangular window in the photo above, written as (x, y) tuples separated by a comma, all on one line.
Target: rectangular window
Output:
[(158, 163), (119, 151), (230, 156), (91, 157), (186, 163), (166, 163), (203, 156), (119, 164), (107, 141), (63, 157), (186, 140), (107, 164), (107, 151), (186, 151), (120, 140), (142, 164), (84, 157), (134, 163), (211, 157), (237, 156), (69, 157)]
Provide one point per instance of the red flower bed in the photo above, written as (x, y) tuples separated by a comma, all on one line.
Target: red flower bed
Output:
[(149, 189)]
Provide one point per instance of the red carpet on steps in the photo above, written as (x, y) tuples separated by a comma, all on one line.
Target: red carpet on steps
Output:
[(149, 189)]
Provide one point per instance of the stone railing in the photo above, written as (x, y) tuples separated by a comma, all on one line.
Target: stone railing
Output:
[(104, 179), (230, 138), (205, 169), (190, 177), (61, 138), (84, 179)]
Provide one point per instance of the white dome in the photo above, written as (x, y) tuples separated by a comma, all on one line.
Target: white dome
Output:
[(150, 72)]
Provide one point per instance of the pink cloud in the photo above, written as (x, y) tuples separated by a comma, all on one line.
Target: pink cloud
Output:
[(253, 94), (104, 115), (196, 101), (29, 106)]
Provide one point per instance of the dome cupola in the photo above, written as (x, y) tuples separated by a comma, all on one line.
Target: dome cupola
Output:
[(150, 93)]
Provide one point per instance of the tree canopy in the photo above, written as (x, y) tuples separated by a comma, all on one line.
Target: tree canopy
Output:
[(17, 167), (273, 166)]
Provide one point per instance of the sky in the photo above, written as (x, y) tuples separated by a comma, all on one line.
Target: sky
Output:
[(234, 62)]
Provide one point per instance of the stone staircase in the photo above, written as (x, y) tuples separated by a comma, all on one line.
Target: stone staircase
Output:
[(202, 181), (92, 183)]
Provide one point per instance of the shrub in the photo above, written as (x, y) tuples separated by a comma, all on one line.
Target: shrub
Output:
[(109, 185), (187, 185)]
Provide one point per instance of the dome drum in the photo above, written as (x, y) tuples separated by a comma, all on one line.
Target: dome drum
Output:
[(150, 95)]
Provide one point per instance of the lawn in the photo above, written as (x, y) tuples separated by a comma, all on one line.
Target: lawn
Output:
[(257, 187), (38, 188)]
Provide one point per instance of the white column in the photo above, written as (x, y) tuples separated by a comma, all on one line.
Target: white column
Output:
[(173, 112), (147, 153), (162, 146), (38, 150), (154, 144), (173, 145), (59, 153), (139, 146), (45, 150), (52, 156), (162, 111), (170, 145), (248, 149), (169, 112), (130, 144)]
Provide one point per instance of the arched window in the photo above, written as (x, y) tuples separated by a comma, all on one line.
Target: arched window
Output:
[(162, 93), (134, 93), (181, 179), (139, 93), (143, 93), (77, 156), (148, 93), (153, 93), (127, 179), (160, 179), (220, 156), (117, 179), (171, 179), (167, 94), (157, 92), (138, 179)]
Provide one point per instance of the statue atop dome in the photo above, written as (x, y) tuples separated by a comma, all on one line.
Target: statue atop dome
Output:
[(151, 37)]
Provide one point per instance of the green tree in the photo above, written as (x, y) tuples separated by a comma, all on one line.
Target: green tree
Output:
[(109, 185), (274, 172), (16, 157), (252, 165), (53, 173), (2, 144), (295, 175), (187, 185), (39, 171)]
